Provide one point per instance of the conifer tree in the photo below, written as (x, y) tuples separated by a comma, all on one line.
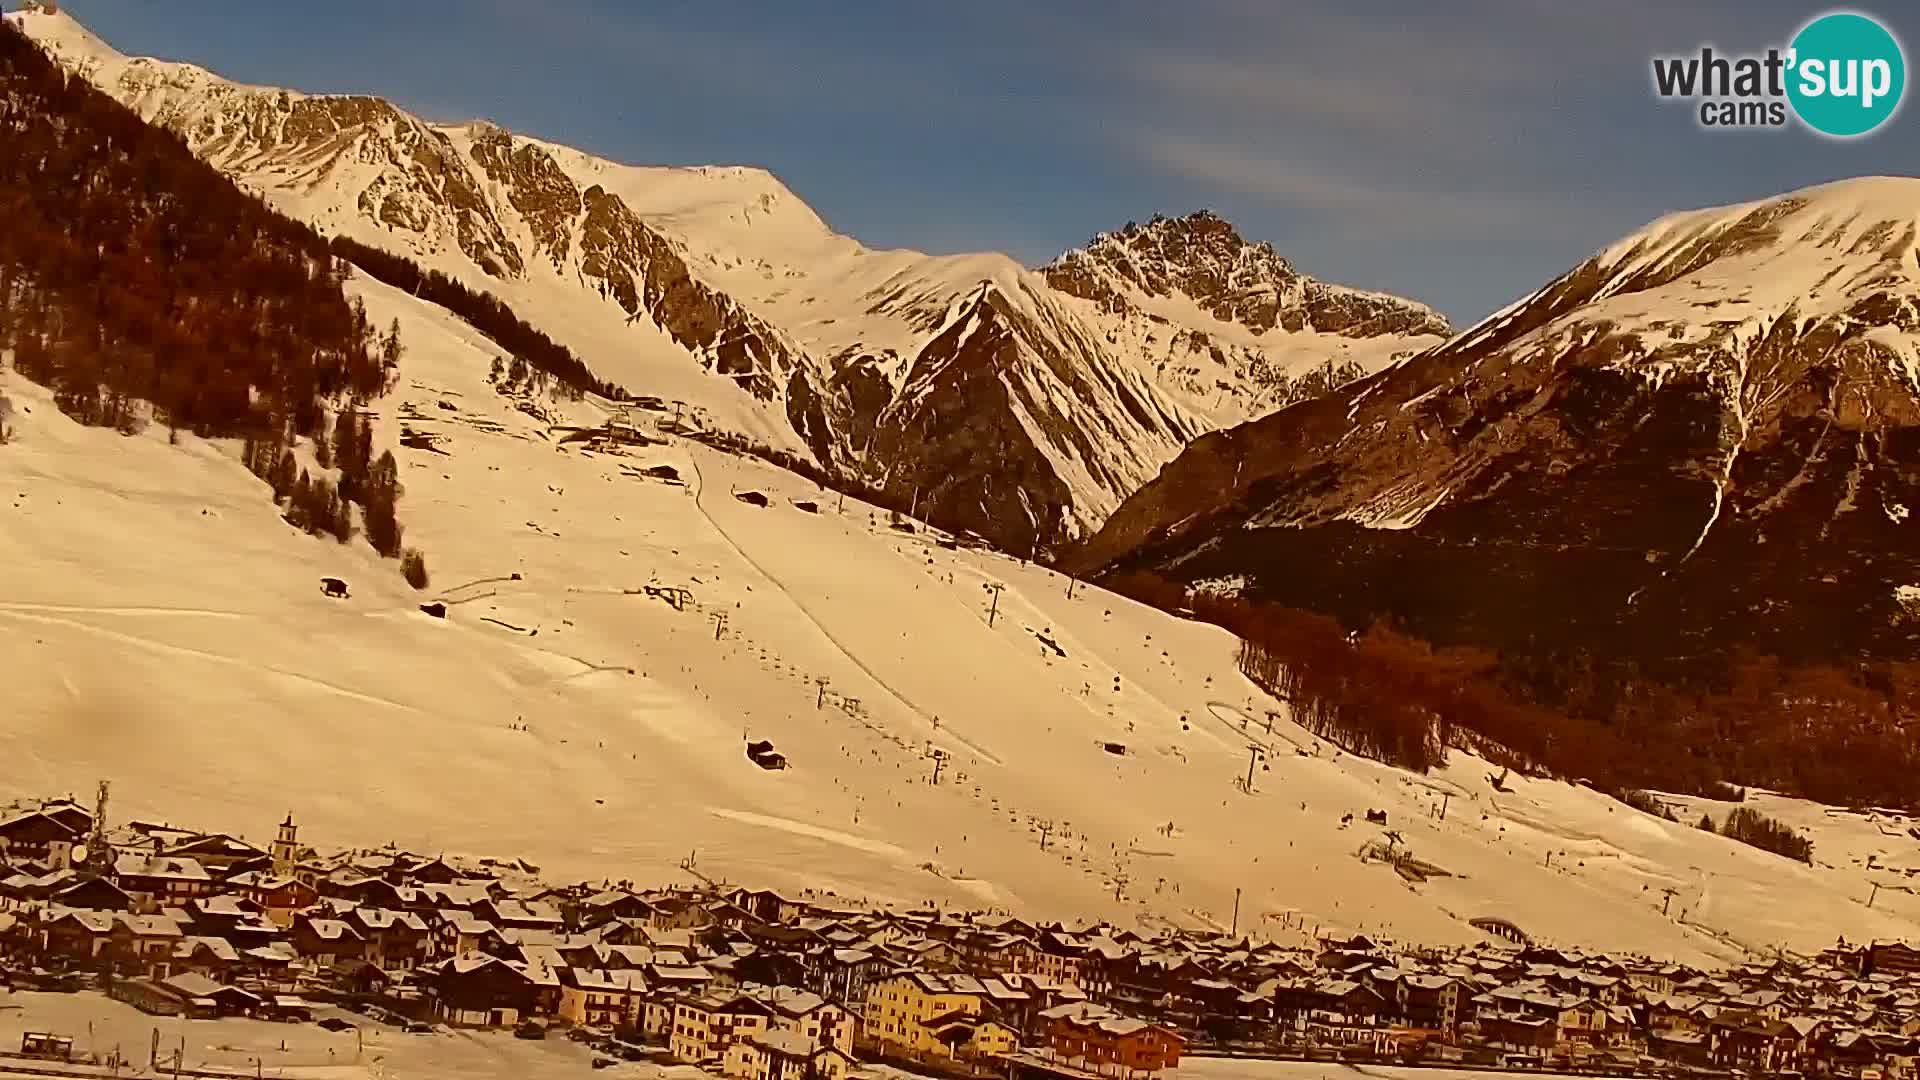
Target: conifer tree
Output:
[(300, 502), (383, 493), (413, 566), (284, 473)]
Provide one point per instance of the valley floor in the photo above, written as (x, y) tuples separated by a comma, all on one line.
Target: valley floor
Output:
[(164, 629)]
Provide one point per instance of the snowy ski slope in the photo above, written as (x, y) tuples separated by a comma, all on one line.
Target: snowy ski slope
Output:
[(163, 628)]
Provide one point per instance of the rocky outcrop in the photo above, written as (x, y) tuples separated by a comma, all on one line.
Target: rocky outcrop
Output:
[(1201, 257), (535, 185), (1707, 434)]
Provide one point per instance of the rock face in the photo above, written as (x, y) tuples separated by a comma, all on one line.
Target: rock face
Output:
[(1707, 434), (1202, 258), (1025, 404)]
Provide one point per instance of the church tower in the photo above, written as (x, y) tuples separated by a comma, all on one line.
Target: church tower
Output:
[(286, 849)]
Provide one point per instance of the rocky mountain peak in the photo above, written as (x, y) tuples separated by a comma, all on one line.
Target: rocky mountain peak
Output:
[(1707, 434), (1201, 258)]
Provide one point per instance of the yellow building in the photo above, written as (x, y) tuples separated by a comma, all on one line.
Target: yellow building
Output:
[(613, 999), (938, 1016)]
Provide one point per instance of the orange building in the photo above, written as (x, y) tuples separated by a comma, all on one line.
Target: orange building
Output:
[(1097, 1039)]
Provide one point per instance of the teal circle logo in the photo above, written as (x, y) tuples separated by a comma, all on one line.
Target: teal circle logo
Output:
[(1847, 74)]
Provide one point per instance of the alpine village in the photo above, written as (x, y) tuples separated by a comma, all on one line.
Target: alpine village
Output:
[(754, 985)]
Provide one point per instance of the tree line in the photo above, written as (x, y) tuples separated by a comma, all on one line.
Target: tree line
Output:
[(322, 505), (138, 283), (141, 285), (1751, 827), (1837, 735), (481, 310)]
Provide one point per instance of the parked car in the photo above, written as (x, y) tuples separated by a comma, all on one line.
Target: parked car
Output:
[(530, 1029)]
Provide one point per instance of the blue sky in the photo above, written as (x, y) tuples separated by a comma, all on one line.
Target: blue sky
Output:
[(1460, 153)]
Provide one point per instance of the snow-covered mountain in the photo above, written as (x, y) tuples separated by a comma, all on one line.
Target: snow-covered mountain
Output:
[(1023, 404), (165, 628), (1706, 434)]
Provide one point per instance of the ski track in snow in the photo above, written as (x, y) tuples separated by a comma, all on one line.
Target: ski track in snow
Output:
[(801, 828), (220, 659), (85, 609), (925, 716)]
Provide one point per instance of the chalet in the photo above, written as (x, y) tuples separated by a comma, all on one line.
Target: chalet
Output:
[(1061, 957), (270, 966), (595, 998), (69, 813), (767, 965), (1583, 1021), (217, 852), (93, 893), (143, 942), (925, 954), (671, 912), (326, 941), (679, 980), (993, 952), (1890, 958), (1689, 1048), (1007, 924), (213, 957), (842, 975), (1432, 1002), (476, 990), (396, 940), (1335, 1012), (1753, 1043), (360, 890), (356, 977), (705, 1027), (784, 1055), (278, 897), (1096, 1039), (23, 891), (1855, 1055), (810, 1015), (456, 932), (765, 904), (608, 906), (1519, 1033), (510, 914), (40, 837), (434, 871), (972, 1038), (224, 916), (1674, 1013), (75, 935), (155, 881)]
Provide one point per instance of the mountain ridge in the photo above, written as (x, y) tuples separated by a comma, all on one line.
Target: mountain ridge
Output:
[(1707, 434), (719, 287)]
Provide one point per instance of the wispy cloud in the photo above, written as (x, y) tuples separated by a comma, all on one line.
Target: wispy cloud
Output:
[(1432, 119), (1409, 210)]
